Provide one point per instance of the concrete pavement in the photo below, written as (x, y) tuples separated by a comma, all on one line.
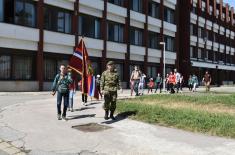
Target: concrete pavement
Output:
[(30, 124)]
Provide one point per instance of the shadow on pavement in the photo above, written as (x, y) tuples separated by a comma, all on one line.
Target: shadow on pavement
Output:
[(120, 117), (84, 108), (93, 103), (80, 116)]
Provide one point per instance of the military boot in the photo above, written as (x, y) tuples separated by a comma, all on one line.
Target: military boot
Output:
[(111, 115), (106, 116)]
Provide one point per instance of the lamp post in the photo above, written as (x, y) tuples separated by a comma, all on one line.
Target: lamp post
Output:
[(164, 65)]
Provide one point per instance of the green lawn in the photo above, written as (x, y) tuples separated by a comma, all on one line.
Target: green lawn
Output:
[(211, 113)]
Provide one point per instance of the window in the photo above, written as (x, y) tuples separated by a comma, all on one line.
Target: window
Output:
[(228, 59), (199, 53), (154, 40), (115, 32), (136, 36), (5, 67), (89, 26), (211, 55), (119, 68), (169, 15), (137, 5), (56, 19), (25, 13), (117, 2), (154, 9), (152, 72), (1, 11), (193, 52), (22, 67), (200, 32), (50, 69), (170, 43), (194, 10)]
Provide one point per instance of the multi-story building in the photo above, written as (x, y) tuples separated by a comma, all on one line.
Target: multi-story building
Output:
[(36, 36), (207, 32)]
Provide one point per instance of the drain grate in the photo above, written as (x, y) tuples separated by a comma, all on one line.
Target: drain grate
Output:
[(91, 127)]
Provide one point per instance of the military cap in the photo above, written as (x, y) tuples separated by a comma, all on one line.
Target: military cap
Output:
[(110, 63)]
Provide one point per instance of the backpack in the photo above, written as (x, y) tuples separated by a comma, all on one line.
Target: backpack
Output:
[(62, 87)]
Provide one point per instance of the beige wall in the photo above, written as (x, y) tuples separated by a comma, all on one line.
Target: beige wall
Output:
[(14, 86)]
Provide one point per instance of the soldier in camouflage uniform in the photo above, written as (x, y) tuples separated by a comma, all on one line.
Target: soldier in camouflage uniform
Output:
[(109, 85)]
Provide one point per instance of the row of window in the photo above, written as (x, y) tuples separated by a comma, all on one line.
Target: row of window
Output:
[(23, 12), (202, 33), (195, 11), (22, 67), (210, 55)]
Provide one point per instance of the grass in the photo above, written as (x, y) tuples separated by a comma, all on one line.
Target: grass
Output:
[(212, 114)]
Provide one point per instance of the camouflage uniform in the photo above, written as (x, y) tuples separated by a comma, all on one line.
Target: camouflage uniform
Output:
[(109, 85)]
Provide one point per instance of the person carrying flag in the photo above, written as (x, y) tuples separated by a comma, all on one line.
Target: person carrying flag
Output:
[(109, 85)]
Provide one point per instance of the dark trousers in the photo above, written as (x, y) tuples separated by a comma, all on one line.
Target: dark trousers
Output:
[(177, 86), (172, 88), (158, 85), (59, 101), (168, 86), (181, 86), (136, 86), (84, 98), (190, 86)]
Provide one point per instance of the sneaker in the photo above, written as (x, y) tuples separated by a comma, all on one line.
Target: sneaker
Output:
[(59, 117), (64, 118)]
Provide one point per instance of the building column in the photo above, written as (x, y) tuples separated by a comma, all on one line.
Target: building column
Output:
[(40, 26), (104, 36), (127, 41), (146, 37), (161, 34), (75, 23)]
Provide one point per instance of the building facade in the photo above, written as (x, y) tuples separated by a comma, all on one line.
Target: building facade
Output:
[(36, 36), (207, 39)]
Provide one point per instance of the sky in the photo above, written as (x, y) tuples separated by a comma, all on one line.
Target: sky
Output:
[(230, 2)]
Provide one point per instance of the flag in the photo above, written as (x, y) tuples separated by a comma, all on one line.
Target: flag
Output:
[(76, 60), (92, 87), (81, 64)]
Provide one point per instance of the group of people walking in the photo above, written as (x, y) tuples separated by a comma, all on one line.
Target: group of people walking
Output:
[(65, 87), (174, 82), (108, 84)]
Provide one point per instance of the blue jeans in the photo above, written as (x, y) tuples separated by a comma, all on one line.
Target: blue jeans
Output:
[(71, 94), (59, 100)]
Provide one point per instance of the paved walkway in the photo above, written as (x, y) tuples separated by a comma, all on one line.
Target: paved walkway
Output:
[(32, 127)]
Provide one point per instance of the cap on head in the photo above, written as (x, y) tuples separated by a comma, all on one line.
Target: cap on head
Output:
[(110, 63)]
